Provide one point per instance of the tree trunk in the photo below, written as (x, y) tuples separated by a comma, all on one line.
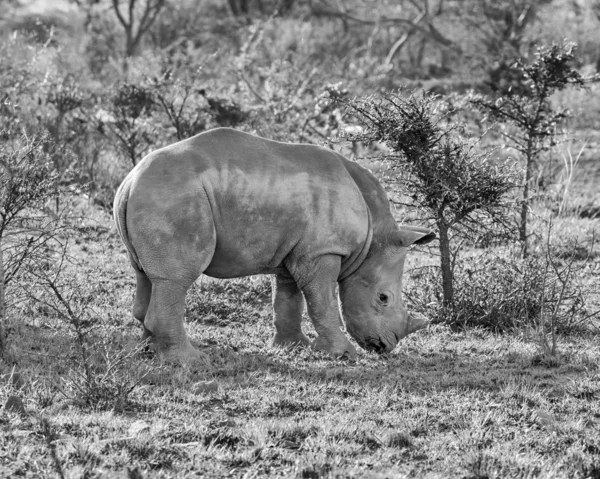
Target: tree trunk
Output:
[(446, 264), (525, 202), (129, 51), (130, 44)]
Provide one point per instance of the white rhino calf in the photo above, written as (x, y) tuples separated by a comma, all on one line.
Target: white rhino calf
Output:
[(230, 204)]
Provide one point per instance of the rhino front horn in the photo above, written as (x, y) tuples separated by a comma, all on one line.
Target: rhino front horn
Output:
[(414, 324)]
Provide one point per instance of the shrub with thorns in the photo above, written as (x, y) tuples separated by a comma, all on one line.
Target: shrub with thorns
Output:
[(27, 183), (442, 172), (100, 375)]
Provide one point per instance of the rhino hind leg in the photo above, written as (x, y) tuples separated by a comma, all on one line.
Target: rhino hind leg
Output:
[(323, 310), (143, 293), (164, 322), (141, 301), (288, 304), (172, 261)]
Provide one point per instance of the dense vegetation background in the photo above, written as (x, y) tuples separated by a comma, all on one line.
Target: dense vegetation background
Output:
[(481, 119)]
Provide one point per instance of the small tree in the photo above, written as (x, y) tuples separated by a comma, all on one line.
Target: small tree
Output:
[(442, 173), (532, 113), (179, 100), (126, 122)]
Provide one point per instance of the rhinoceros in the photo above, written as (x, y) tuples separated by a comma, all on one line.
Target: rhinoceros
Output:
[(229, 204)]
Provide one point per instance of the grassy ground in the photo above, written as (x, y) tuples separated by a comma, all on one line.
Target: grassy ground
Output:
[(444, 404)]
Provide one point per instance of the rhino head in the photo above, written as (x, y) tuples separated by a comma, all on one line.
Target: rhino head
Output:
[(371, 296)]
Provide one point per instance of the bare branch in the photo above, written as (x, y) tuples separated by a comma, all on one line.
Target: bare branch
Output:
[(120, 15), (403, 39), (149, 16)]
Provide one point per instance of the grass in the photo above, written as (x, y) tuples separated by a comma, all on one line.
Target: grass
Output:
[(444, 404)]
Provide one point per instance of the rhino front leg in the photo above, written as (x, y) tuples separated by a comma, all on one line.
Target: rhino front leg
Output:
[(321, 301), (164, 321), (288, 304)]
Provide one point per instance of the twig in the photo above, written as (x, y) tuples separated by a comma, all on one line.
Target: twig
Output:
[(50, 437)]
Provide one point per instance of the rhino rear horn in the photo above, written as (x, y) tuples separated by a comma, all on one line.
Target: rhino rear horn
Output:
[(408, 235)]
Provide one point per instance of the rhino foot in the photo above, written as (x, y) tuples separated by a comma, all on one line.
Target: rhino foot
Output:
[(147, 346), (186, 355), (289, 340), (338, 348)]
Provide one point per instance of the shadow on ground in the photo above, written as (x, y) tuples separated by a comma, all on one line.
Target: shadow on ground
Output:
[(458, 365)]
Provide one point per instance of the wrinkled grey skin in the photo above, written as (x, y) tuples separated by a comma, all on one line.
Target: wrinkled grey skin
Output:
[(229, 204)]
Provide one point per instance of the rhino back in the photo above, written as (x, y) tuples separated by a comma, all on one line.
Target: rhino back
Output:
[(272, 204)]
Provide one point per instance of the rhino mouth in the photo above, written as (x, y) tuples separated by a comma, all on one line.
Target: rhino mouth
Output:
[(376, 345)]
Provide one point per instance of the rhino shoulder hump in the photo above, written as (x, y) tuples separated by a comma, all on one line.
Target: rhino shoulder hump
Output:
[(372, 191)]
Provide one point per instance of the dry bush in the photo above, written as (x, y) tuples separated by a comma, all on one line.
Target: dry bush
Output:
[(109, 377), (101, 373), (502, 292)]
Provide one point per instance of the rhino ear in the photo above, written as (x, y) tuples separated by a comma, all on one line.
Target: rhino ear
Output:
[(408, 235)]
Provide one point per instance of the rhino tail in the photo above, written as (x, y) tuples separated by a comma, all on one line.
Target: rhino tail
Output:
[(120, 217)]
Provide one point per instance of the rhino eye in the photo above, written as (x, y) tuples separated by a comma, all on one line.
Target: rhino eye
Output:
[(382, 297)]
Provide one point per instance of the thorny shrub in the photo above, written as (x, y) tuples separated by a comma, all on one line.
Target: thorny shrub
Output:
[(109, 377), (102, 374), (180, 100), (444, 174), (27, 183), (126, 120), (504, 292)]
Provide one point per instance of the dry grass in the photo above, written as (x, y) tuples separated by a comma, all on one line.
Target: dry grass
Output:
[(469, 405)]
